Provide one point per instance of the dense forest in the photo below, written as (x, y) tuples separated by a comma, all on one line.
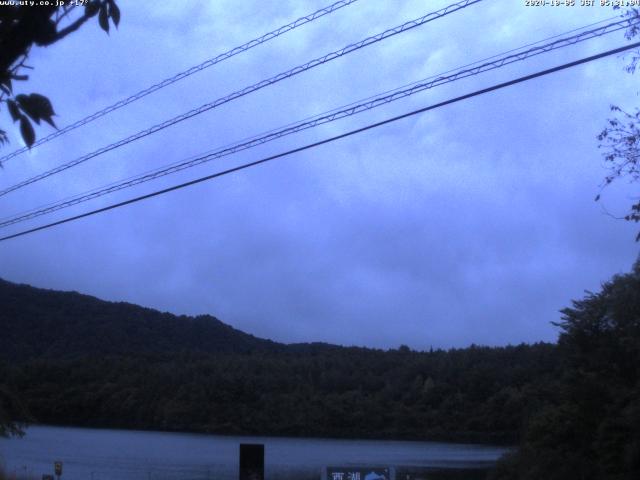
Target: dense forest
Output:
[(573, 407), (38, 323), (76, 360), (475, 394)]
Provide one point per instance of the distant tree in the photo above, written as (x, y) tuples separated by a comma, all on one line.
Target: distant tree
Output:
[(620, 139), (21, 27)]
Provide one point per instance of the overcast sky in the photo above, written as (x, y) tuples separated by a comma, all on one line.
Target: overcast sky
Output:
[(472, 223)]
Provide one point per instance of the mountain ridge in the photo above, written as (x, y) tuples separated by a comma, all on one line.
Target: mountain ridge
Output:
[(48, 323), (74, 359)]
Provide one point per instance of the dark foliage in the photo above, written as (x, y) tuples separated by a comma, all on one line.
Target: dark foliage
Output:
[(22, 27), (48, 324), (77, 360), (13, 413), (591, 431), (620, 139)]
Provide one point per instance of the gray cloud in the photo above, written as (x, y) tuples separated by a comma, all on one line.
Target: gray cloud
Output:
[(474, 223)]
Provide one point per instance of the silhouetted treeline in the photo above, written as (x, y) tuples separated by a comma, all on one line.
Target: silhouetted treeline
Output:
[(474, 394), (77, 360), (39, 323), (574, 407), (590, 427)]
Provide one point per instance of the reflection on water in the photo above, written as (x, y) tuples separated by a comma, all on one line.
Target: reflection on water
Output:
[(128, 455)]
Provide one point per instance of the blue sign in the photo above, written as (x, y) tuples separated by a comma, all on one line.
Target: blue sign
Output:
[(358, 473)]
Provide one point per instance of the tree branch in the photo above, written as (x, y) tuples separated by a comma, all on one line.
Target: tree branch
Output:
[(69, 29), (67, 11)]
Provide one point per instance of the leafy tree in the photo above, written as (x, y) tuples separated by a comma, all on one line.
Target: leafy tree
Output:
[(591, 430), (601, 341), (22, 27), (620, 139)]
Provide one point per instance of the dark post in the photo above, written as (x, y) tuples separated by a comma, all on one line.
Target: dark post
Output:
[(57, 468), (251, 461)]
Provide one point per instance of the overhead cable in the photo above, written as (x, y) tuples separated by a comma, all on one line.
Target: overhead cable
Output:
[(328, 140), (250, 89), (352, 109), (186, 73)]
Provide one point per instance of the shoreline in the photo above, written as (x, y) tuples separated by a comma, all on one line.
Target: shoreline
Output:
[(431, 440)]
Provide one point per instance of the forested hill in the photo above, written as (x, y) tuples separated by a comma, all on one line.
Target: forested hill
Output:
[(573, 406), (75, 360), (38, 323)]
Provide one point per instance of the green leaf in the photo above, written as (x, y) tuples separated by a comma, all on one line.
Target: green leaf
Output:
[(13, 110), (103, 18), (43, 106), (50, 121), (114, 12), (26, 106), (37, 106), (26, 130)]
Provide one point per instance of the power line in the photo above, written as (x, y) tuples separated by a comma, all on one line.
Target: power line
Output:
[(186, 73), (330, 139), (250, 89), (333, 115)]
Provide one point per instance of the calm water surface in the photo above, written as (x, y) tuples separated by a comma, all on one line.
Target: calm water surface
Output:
[(128, 455)]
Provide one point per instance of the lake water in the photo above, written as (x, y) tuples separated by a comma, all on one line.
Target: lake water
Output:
[(127, 455)]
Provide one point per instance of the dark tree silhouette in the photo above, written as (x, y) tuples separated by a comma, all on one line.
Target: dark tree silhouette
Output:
[(77, 360), (22, 27), (620, 139), (591, 429)]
